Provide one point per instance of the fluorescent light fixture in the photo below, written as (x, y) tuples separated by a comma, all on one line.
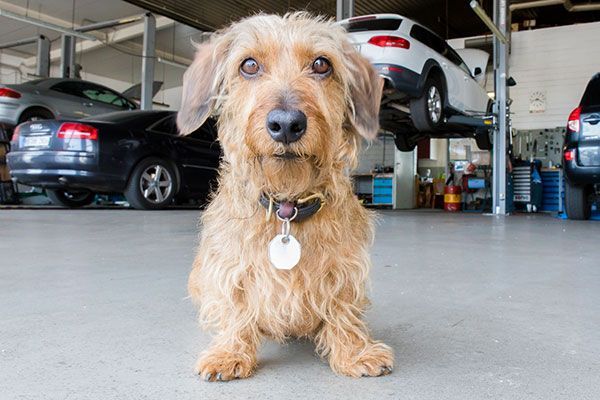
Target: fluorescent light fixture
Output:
[(172, 63), (46, 25), (487, 21), (109, 24)]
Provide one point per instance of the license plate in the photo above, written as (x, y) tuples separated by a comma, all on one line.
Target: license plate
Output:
[(36, 141)]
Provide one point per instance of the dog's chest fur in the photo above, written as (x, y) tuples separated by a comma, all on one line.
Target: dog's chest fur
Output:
[(333, 266), (291, 303)]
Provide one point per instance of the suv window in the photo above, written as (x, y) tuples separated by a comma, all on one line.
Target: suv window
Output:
[(379, 24), (591, 96), (428, 38)]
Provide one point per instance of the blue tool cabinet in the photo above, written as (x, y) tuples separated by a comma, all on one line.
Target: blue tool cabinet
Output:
[(382, 190)]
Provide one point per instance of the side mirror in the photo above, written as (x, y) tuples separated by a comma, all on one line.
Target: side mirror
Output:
[(477, 71)]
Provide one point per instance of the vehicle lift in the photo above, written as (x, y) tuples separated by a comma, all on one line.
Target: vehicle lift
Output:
[(498, 122)]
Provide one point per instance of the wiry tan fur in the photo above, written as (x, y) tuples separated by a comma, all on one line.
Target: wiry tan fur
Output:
[(240, 295)]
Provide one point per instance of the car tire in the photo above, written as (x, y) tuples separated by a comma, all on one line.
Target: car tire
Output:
[(577, 205), (70, 198), (404, 143), (152, 185), (427, 111), (35, 114)]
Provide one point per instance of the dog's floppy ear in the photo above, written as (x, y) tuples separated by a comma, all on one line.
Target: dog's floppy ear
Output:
[(366, 87), (201, 85)]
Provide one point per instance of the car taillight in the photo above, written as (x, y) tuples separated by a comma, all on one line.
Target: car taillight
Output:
[(16, 132), (6, 92), (573, 124), (75, 130), (390, 41), (569, 155)]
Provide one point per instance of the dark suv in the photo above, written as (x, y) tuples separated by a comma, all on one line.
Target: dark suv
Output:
[(581, 153)]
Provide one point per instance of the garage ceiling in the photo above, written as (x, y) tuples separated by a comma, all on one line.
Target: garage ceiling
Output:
[(450, 18), (62, 12)]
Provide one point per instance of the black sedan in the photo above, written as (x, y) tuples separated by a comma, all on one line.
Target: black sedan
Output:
[(137, 153)]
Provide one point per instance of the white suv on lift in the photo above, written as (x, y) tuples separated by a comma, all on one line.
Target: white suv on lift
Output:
[(426, 80)]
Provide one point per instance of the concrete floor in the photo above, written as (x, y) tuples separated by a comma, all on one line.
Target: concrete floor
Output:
[(93, 306)]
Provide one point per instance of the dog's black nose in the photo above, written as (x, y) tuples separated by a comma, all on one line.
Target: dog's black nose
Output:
[(286, 126)]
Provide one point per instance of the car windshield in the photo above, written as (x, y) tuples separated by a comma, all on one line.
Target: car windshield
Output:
[(379, 24), (591, 97)]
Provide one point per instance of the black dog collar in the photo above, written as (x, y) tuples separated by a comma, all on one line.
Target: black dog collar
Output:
[(293, 210)]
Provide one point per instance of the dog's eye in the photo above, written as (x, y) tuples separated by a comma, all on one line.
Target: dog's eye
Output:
[(321, 66), (249, 67)]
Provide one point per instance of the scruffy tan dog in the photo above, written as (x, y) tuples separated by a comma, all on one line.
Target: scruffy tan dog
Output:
[(294, 99)]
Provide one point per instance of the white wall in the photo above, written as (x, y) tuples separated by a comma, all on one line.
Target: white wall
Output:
[(11, 68), (558, 61), (379, 151)]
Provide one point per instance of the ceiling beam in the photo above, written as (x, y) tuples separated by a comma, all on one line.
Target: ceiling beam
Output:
[(119, 35), (40, 23), (32, 13)]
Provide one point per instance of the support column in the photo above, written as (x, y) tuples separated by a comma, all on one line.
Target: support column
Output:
[(501, 93), (344, 9), (67, 56), (43, 57), (149, 56)]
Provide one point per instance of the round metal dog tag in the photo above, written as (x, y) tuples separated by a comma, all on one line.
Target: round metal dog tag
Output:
[(284, 254)]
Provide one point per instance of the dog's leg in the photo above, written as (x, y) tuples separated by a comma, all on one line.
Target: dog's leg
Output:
[(231, 355), (351, 351)]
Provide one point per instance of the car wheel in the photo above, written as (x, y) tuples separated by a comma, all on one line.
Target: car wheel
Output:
[(36, 114), (404, 143), (152, 185), (427, 111), (577, 205), (70, 198)]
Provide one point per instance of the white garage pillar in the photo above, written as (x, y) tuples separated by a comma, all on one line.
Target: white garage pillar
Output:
[(501, 94), (344, 9), (149, 56), (67, 56), (43, 57)]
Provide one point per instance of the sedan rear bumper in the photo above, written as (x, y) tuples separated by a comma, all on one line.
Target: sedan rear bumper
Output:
[(61, 170)]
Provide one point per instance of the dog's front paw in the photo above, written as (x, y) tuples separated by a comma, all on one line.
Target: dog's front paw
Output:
[(225, 366), (376, 360)]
